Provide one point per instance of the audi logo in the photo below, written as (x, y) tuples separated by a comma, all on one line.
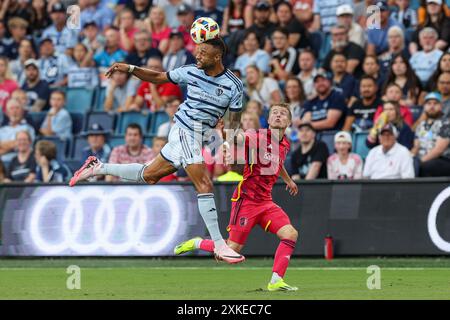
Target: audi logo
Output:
[(89, 220)]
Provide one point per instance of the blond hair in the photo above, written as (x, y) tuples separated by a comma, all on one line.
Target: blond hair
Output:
[(282, 105)]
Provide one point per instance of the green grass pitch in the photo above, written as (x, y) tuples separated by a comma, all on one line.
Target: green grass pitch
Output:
[(202, 278)]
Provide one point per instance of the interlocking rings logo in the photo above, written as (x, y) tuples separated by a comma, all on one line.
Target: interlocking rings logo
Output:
[(432, 215), (90, 221)]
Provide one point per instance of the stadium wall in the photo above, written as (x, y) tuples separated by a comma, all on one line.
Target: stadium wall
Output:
[(407, 217)]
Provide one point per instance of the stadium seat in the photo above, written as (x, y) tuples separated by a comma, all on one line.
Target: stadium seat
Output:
[(125, 118), (328, 138), (106, 120), (99, 99), (77, 122), (37, 118), (416, 112), (61, 146), (78, 144), (359, 144), (159, 118), (79, 99), (116, 140), (148, 140)]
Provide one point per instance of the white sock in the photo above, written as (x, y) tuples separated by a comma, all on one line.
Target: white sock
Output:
[(275, 278), (207, 208), (131, 172)]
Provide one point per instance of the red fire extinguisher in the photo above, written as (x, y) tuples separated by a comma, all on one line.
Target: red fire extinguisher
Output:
[(329, 247)]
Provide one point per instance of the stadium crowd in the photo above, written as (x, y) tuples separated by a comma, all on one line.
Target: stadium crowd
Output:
[(368, 83)]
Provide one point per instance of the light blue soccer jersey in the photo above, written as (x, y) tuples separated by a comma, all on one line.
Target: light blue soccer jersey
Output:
[(208, 98)]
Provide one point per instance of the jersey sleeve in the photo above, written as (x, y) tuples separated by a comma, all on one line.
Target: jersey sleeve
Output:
[(179, 75), (237, 98)]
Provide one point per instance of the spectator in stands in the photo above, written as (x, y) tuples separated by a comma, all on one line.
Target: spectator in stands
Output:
[(295, 96), (48, 169), (303, 11), (21, 97), (401, 73), (142, 49), (159, 30), (255, 107), (17, 27), (237, 16), (185, 15), (443, 86), (133, 151), (23, 166), (112, 52), (371, 67), (436, 19), (405, 16), (307, 63), (249, 120), (93, 39), (140, 8), (127, 29), (37, 90), (120, 93), (210, 9), (262, 26), (64, 39), (377, 39), (341, 79), (432, 143), (57, 122), (177, 55), (3, 173), (53, 68), (297, 33), (425, 62), (396, 46), (356, 34), (171, 107), (284, 60), (26, 51), (40, 18), (389, 160), (442, 67), (97, 11), (327, 111), (17, 122), (82, 73), (252, 55), (344, 164), (7, 82), (393, 92), (324, 18), (391, 115), (262, 89), (340, 44), (154, 96), (309, 160), (361, 12), (361, 113), (97, 146)]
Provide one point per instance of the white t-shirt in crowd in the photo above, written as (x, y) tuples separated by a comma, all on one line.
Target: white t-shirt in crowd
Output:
[(263, 95), (397, 163), (351, 170)]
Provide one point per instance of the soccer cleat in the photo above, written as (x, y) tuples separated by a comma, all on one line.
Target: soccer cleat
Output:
[(186, 246), (228, 255), (87, 170), (280, 285)]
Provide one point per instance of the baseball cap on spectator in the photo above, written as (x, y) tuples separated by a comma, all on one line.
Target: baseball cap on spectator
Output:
[(175, 33), (439, 2), (57, 7), (390, 128), (46, 40), (344, 9), (31, 62), (90, 24), (184, 9), (382, 5), (343, 136), (433, 96), (323, 74), (306, 124), (262, 5), (95, 129)]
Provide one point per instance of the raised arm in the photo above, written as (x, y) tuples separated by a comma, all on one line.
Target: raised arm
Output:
[(147, 75)]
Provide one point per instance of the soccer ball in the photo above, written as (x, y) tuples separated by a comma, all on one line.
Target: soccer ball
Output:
[(204, 29)]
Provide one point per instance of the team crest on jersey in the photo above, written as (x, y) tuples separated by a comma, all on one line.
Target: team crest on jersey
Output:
[(243, 221), (219, 91)]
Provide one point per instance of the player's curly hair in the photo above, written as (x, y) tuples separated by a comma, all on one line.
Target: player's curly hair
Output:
[(219, 44)]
